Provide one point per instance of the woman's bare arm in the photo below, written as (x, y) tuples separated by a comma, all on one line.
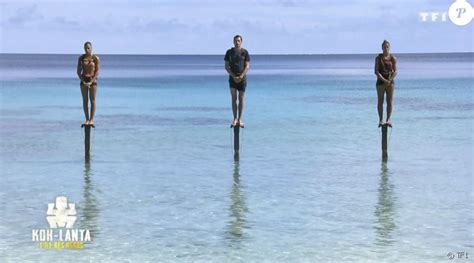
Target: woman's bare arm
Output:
[(97, 69), (395, 71), (79, 68), (376, 71)]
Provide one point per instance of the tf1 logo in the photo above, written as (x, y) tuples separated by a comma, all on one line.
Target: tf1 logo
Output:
[(460, 13)]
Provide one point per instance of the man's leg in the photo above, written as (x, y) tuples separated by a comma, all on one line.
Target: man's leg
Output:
[(233, 93), (241, 107)]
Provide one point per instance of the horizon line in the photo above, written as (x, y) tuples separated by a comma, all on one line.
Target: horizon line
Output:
[(257, 54)]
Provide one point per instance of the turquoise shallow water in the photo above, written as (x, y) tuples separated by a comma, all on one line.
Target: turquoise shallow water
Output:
[(310, 186)]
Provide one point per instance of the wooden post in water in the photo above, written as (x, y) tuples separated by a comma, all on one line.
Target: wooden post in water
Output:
[(384, 142), (236, 142), (87, 140)]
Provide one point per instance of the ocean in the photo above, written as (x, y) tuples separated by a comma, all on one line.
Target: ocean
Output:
[(310, 185)]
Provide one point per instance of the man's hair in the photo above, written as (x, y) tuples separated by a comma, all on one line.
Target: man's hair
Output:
[(85, 44), (385, 42), (236, 36)]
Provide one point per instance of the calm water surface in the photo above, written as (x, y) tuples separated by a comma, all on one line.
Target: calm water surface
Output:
[(310, 185)]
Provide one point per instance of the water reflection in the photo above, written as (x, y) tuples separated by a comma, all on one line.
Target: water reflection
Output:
[(90, 211), (385, 209), (238, 208)]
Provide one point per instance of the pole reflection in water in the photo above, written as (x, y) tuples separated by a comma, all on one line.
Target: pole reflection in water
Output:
[(90, 211), (385, 209), (238, 208)]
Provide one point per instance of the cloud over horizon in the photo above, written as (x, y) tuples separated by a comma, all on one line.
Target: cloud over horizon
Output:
[(207, 27)]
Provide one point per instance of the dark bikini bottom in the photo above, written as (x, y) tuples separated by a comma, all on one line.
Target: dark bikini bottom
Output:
[(88, 79)]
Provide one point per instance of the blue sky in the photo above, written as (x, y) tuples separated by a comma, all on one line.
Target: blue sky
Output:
[(207, 27)]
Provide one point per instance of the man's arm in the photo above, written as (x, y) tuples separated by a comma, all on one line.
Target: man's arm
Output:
[(246, 68), (246, 65), (227, 68)]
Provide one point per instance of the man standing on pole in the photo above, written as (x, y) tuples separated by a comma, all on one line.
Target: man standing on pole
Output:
[(237, 62)]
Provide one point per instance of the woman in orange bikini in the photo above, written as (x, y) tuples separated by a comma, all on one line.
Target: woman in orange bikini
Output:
[(386, 70), (88, 70)]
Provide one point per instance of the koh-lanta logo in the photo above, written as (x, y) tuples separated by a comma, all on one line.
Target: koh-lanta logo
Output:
[(61, 217), (460, 13)]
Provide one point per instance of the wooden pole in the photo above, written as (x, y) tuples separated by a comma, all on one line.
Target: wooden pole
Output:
[(87, 140), (384, 142), (236, 142)]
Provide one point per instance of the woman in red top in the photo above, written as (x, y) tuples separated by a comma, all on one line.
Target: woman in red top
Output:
[(88, 70), (386, 70)]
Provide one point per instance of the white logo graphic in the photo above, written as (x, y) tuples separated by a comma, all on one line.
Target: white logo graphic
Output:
[(460, 12), (60, 214)]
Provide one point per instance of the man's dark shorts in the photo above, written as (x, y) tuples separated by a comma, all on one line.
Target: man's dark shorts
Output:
[(239, 86)]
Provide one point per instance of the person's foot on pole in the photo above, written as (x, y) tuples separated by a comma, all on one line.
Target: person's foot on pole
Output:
[(241, 123), (381, 123), (234, 123), (389, 123)]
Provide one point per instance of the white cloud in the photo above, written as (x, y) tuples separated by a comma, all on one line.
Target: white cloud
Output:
[(25, 15), (207, 26)]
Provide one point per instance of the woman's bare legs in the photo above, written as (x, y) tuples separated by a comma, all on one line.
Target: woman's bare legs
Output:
[(380, 97), (389, 89), (85, 101), (92, 93)]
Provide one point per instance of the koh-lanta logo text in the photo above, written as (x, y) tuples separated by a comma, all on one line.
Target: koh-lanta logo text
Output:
[(460, 13), (61, 217)]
